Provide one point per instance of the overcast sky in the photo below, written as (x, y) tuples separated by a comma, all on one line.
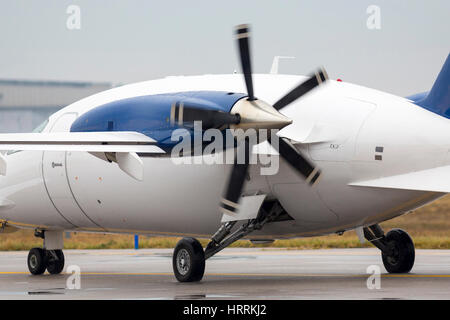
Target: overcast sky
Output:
[(127, 41)]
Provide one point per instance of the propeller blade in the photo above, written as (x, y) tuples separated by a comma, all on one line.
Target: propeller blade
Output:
[(318, 78), (182, 114), (229, 204), (297, 161), (242, 36)]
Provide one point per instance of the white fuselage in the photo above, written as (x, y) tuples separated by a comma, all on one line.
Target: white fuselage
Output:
[(339, 127)]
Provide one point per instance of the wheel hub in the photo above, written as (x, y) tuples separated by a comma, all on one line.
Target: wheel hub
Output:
[(394, 254), (183, 261), (33, 261)]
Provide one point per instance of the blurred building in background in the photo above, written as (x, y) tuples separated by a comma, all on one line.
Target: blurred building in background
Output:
[(24, 104)]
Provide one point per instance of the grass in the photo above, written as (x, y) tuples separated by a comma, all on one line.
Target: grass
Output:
[(429, 227)]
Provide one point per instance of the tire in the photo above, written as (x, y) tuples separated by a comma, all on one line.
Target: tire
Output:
[(55, 266), (402, 259), (188, 260), (37, 261)]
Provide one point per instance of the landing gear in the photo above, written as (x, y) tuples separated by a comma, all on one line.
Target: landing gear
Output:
[(397, 248), (188, 259), (41, 259), (48, 258)]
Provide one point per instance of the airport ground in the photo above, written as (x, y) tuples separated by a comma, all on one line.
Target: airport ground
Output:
[(235, 273), (298, 271)]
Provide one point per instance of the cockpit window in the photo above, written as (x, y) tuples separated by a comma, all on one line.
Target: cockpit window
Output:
[(40, 127)]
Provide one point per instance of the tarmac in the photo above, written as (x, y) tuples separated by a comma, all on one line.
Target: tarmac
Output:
[(235, 273)]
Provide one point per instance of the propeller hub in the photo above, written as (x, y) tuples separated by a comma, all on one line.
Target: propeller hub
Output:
[(258, 114)]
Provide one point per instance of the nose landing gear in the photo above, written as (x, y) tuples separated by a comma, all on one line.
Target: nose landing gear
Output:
[(188, 259), (397, 248)]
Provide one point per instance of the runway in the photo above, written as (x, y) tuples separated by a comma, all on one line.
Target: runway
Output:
[(235, 273)]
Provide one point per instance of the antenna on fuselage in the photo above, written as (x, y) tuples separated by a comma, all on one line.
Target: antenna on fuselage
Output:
[(276, 62)]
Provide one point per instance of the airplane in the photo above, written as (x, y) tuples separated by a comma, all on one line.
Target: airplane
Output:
[(349, 158)]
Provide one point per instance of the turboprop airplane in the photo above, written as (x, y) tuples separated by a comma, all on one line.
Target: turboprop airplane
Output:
[(342, 157)]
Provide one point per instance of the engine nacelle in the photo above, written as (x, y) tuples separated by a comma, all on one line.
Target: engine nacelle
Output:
[(152, 115)]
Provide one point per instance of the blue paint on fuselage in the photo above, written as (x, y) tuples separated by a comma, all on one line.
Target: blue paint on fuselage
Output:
[(150, 115), (417, 96)]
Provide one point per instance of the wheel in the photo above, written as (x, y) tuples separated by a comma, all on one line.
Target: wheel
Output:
[(37, 261), (55, 266), (401, 260), (188, 260)]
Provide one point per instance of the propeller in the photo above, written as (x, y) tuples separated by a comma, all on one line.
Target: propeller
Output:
[(242, 36), (314, 80), (258, 114), (297, 161), (229, 204)]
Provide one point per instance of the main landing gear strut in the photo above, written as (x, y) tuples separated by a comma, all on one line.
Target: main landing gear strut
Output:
[(189, 258), (50, 257), (397, 248)]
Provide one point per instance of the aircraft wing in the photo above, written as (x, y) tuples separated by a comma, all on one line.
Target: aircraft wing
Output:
[(114, 146), (434, 180)]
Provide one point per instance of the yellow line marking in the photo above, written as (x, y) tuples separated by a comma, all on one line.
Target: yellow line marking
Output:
[(13, 272), (127, 273), (415, 275), (330, 275)]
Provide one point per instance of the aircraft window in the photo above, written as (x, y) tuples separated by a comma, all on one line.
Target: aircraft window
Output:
[(38, 129)]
